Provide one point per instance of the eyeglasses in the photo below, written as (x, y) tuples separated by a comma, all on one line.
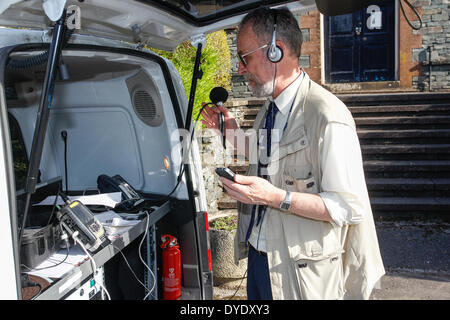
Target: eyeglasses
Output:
[(242, 56)]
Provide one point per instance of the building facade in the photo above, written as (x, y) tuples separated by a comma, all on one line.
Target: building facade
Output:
[(372, 50)]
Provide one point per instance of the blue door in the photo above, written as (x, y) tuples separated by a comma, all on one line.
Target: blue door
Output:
[(360, 46)]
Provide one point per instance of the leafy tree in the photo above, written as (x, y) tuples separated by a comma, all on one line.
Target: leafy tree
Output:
[(215, 64)]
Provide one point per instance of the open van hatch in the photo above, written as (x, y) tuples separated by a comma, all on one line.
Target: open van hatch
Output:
[(119, 110), (85, 99)]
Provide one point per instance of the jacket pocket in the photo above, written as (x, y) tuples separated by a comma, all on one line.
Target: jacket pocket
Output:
[(320, 279), (307, 185), (294, 143)]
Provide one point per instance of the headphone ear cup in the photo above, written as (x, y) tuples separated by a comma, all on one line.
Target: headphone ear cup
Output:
[(275, 54)]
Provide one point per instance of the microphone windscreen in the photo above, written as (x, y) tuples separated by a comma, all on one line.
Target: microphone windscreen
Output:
[(218, 94)]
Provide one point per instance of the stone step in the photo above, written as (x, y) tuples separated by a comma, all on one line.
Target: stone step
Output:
[(378, 121), (432, 108), (393, 183), (394, 98), (409, 127), (398, 186), (438, 109), (383, 99), (248, 102), (380, 204), (402, 120), (385, 165), (410, 204), (407, 184), (406, 166), (226, 202), (245, 124), (407, 148), (401, 134), (251, 112), (239, 168)]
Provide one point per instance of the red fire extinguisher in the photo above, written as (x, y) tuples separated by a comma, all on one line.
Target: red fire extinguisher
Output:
[(171, 264)]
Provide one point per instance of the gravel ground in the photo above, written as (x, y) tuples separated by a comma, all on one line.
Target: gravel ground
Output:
[(396, 285), (416, 259)]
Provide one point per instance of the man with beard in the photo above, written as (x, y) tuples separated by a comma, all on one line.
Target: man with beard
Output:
[(305, 220)]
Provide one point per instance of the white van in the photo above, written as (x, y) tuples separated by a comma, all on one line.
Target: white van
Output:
[(88, 111)]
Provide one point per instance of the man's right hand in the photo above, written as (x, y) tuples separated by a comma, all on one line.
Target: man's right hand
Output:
[(211, 121), (211, 117)]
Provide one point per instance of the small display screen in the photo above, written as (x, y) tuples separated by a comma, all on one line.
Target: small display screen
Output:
[(82, 213)]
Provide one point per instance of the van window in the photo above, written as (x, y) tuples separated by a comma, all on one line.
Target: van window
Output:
[(19, 152)]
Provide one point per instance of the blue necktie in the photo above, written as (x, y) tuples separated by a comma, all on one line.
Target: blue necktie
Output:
[(269, 123)]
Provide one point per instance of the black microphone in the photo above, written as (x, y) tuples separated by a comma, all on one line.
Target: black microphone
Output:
[(218, 96)]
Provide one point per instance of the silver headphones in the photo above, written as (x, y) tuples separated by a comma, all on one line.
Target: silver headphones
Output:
[(275, 53)]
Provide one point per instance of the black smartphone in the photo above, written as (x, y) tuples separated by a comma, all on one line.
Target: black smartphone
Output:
[(226, 173)]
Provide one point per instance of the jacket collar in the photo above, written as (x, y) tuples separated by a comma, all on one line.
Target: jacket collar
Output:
[(295, 130), (296, 122)]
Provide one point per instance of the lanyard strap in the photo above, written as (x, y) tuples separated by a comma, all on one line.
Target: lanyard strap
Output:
[(262, 209), (265, 127)]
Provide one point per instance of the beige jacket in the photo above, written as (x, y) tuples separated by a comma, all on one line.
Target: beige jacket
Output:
[(310, 259)]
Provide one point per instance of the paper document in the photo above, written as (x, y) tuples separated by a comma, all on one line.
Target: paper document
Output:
[(106, 199), (112, 219), (52, 268), (114, 224)]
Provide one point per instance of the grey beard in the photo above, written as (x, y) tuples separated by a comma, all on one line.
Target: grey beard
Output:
[(263, 90)]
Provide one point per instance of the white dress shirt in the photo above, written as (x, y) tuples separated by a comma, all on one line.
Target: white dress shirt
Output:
[(343, 183)]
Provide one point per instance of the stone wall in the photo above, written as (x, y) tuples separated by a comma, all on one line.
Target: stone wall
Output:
[(408, 41), (210, 150), (239, 87), (213, 155), (435, 34)]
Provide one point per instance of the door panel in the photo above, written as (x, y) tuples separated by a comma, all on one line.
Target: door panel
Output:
[(341, 50), (360, 45)]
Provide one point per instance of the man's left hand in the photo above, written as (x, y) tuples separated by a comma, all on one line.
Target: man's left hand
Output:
[(253, 190)]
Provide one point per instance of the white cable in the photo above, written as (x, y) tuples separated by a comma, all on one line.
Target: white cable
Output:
[(142, 260), (129, 267), (94, 265)]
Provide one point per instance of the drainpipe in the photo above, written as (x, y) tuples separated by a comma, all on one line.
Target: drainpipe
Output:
[(429, 66)]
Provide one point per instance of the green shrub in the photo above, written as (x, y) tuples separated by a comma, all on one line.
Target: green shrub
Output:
[(225, 223), (215, 64)]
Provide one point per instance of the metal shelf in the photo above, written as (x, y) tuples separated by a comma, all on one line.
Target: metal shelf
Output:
[(79, 274)]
